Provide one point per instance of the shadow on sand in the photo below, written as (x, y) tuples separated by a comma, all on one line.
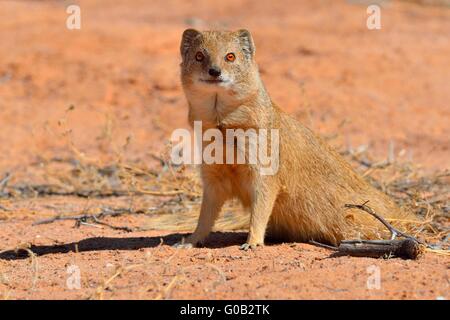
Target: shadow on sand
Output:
[(215, 240)]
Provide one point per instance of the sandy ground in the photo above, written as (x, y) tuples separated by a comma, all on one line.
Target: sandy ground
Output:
[(112, 88)]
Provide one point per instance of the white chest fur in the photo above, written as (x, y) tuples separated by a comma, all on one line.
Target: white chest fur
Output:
[(211, 107)]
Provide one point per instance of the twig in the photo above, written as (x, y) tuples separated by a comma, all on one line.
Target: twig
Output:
[(53, 190), (394, 231), (409, 248), (406, 248), (83, 218), (127, 229), (88, 224), (323, 245), (4, 181)]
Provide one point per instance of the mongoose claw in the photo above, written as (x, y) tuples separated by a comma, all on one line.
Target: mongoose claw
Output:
[(183, 245), (187, 243), (247, 246)]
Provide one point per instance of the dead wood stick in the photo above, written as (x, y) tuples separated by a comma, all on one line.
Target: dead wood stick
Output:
[(405, 248), (52, 190), (81, 217), (94, 217), (125, 228), (408, 248)]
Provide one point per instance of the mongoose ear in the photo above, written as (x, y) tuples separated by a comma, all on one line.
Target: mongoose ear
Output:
[(246, 39), (186, 40)]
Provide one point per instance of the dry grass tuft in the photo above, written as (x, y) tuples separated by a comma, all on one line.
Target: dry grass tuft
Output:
[(178, 191)]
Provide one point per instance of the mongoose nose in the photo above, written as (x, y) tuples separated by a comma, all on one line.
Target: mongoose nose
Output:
[(214, 72)]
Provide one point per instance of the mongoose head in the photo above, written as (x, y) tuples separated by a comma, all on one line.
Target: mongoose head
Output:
[(219, 61)]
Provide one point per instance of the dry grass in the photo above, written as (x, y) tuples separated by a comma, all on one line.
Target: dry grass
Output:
[(34, 265), (178, 190), (426, 195)]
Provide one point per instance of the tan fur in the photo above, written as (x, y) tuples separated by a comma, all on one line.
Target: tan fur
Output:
[(305, 199)]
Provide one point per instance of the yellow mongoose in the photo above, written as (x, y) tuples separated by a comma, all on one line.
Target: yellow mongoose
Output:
[(305, 199)]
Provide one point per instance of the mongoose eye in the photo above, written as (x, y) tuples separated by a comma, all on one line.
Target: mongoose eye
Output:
[(230, 57), (199, 56)]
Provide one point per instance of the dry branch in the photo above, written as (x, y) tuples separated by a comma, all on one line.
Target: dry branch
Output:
[(408, 248), (394, 232), (405, 248), (52, 190), (83, 218)]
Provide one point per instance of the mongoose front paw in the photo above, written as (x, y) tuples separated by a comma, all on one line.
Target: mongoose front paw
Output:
[(252, 246), (181, 245), (186, 243)]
